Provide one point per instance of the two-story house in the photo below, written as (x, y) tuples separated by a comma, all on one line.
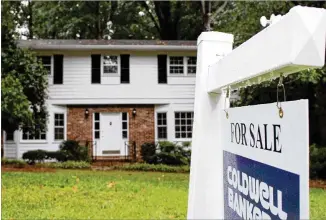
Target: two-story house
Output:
[(114, 94)]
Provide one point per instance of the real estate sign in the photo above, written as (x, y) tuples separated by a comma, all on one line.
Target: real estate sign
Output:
[(265, 162)]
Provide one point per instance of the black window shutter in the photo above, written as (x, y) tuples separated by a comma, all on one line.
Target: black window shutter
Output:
[(58, 69), (125, 69), (96, 68), (162, 69)]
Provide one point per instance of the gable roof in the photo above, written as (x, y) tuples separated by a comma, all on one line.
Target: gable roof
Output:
[(50, 44)]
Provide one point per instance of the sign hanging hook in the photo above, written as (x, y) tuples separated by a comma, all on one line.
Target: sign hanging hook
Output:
[(226, 97), (279, 104)]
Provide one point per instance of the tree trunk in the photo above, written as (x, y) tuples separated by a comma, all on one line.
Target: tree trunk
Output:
[(98, 21), (30, 19)]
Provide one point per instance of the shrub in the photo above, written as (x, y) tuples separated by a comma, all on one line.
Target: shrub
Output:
[(148, 151), (14, 162), (154, 168), (166, 153), (34, 156), (317, 162), (73, 151), (69, 165), (57, 155)]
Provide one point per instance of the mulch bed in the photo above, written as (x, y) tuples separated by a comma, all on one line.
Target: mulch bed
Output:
[(28, 168), (317, 184)]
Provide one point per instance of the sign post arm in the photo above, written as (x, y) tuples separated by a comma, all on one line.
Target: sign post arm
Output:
[(266, 55)]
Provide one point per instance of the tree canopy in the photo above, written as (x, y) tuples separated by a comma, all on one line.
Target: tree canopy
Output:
[(24, 80), (164, 20)]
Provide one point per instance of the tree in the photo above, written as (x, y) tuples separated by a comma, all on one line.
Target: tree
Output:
[(242, 19), (24, 80)]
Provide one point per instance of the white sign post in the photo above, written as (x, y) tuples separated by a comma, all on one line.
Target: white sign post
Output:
[(219, 158)]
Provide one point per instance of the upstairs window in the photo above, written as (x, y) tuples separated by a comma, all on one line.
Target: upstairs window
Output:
[(46, 62), (182, 66), (110, 65), (191, 65), (176, 65)]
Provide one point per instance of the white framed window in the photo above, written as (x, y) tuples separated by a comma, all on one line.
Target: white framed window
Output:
[(110, 64), (47, 63), (183, 124), (182, 66), (191, 65), (38, 135), (161, 122), (59, 126), (176, 65), (125, 125), (96, 125)]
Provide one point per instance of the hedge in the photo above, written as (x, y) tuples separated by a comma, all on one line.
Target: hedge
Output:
[(67, 165), (153, 168)]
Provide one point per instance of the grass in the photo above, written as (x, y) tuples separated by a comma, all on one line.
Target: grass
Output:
[(78, 194)]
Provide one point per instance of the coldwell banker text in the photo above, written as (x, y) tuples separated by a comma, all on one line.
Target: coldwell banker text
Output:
[(265, 136), (246, 192)]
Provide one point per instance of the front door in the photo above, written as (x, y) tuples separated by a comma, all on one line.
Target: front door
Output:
[(111, 134)]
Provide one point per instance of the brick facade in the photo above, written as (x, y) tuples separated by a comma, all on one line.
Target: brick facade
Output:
[(141, 126)]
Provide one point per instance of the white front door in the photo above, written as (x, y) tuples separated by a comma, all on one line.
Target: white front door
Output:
[(111, 134)]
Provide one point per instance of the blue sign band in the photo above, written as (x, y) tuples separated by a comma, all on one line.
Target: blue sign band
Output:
[(253, 190)]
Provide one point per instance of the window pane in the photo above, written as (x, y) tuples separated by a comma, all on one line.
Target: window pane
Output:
[(177, 115), (46, 60), (183, 115), (9, 136), (191, 70), (110, 69), (176, 60), (25, 136), (110, 60), (162, 132), (192, 60), (97, 116), (177, 135), (177, 128), (176, 69), (48, 68), (189, 115), (59, 133), (97, 134), (124, 116), (124, 125), (43, 136), (183, 135), (97, 125), (189, 135), (124, 134)]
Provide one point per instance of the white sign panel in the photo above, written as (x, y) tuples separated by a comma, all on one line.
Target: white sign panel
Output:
[(266, 162)]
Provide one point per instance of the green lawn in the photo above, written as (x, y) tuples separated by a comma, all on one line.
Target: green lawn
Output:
[(104, 195)]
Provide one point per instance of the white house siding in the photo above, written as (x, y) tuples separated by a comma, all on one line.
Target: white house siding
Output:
[(78, 89)]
